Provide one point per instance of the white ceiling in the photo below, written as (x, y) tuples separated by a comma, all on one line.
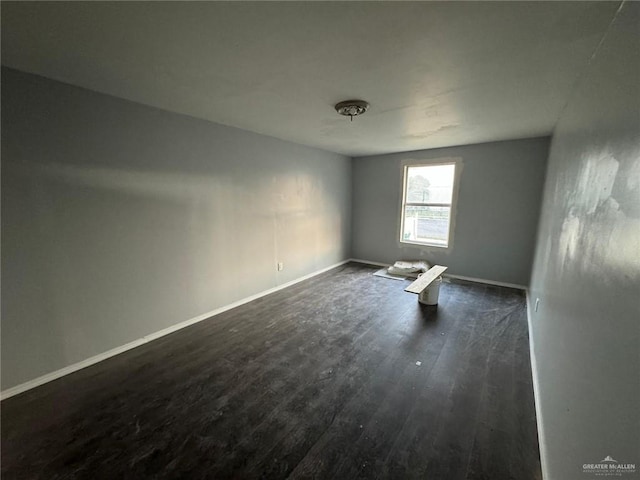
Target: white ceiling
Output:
[(435, 74)]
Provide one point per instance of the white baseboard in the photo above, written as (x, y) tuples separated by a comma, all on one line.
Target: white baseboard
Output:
[(488, 282), (369, 262), (450, 275), (542, 444), (23, 387)]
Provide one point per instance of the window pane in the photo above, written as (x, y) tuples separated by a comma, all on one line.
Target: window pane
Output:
[(432, 184), (427, 225)]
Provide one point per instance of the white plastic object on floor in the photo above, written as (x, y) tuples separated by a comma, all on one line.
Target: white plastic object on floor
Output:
[(408, 268), (429, 296)]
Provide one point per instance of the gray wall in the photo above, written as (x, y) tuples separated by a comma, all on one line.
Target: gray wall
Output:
[(119, 220), (497, 213), (586, 332)]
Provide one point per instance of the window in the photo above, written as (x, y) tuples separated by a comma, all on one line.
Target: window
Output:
[(427, 204)]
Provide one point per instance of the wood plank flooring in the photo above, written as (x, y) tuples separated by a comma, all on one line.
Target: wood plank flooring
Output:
[(316, 381)]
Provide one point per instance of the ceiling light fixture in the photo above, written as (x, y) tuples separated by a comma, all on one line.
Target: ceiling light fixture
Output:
[(352, 108)]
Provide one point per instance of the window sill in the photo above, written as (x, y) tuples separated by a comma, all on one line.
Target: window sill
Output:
[(423, 244)]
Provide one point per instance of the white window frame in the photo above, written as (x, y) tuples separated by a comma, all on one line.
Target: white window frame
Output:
[(457, 163)]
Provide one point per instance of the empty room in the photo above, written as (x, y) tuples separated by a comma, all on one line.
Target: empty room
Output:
[(329, 240)]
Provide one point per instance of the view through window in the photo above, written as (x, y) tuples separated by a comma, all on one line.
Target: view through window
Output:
[(427, 204)]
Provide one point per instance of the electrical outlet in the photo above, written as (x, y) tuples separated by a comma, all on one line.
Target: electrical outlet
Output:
[(280, 266), (537, 303)]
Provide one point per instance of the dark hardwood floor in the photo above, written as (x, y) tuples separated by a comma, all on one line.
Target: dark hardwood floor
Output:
[(316, 381)]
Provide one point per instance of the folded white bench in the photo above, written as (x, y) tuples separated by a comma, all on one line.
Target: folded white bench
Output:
[(421, 285)]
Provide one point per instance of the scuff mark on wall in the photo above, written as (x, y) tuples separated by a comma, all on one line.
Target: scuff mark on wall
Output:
[(595, 181), (569, 238), (593, 187), (594, 216)]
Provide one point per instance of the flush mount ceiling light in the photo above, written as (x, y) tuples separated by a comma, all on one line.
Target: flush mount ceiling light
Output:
[(352, 108)]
